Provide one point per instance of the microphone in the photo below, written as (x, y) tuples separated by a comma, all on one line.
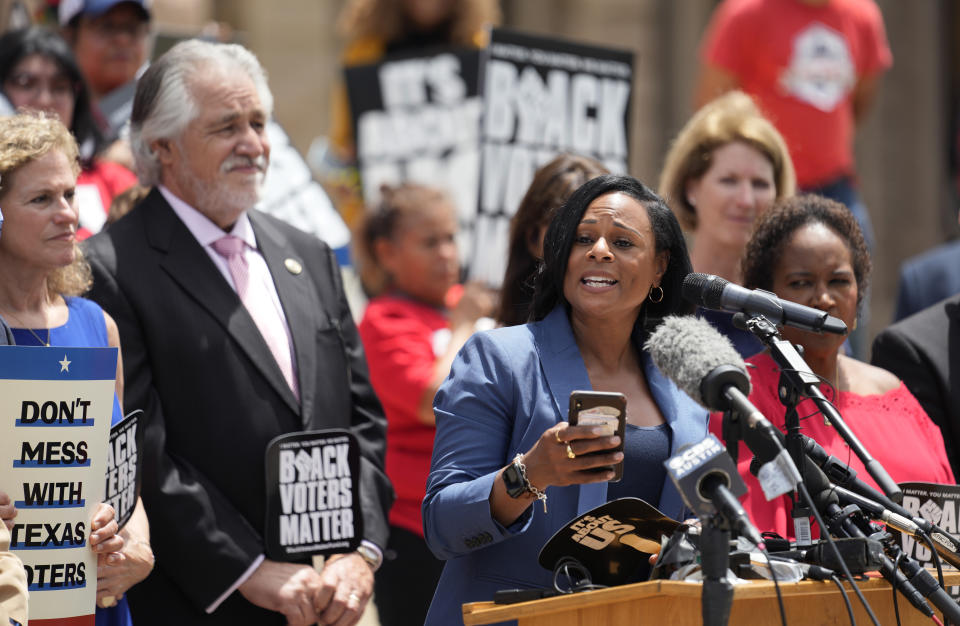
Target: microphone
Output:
[(845, 476), (850, 522), (704, 365), (870, 499), (706, 477), (713, 292), (877, 511)]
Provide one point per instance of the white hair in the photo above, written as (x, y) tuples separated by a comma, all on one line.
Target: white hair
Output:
[(164, 103)]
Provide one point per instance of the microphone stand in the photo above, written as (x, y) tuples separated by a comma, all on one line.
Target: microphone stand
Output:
[(914, 582), (797, 381), (716, 597)]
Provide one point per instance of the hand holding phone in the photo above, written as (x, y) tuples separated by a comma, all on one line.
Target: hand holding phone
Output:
[(601, 408)]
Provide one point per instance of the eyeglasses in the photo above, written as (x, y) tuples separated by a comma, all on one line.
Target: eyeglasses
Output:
[(59, 87), (107, 29)]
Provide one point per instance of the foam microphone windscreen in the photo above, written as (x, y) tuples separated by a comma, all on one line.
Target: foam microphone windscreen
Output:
[(687, 349)]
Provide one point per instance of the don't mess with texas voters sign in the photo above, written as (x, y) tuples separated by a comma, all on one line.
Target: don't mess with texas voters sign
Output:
[(55, 411)]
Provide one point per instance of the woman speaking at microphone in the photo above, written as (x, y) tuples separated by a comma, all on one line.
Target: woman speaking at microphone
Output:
[(810, 250), (507, 469)]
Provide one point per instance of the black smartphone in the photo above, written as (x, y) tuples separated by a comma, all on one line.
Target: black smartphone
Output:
[(602, 408)]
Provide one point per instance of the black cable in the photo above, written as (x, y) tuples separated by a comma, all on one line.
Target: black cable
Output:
[(833, 546), (896, 605), (843, 594), (567, 566), (776, 586), (936, 557), (936, 561)]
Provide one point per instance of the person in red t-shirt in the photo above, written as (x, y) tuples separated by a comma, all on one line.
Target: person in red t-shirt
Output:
[(813, 67), (411, 333), (38, 72)]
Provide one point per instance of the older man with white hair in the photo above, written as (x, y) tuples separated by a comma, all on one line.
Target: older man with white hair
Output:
[(235, 330)]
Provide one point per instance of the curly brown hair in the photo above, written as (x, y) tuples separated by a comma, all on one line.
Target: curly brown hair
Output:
[(776, 226), (24, 138)]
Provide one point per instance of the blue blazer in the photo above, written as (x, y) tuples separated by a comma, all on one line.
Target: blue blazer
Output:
[(6, 337), (506, 387)]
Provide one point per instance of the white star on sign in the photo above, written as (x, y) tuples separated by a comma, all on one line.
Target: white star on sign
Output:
[(64, 364)]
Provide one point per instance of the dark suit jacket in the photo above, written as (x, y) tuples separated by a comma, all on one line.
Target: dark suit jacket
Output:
[(214, 397), (924, 351), (927, 279)]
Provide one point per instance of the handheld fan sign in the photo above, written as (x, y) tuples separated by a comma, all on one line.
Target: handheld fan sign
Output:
[(313, 500), (612, 541)]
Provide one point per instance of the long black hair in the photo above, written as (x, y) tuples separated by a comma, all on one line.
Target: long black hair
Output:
[(551, 186), (17, 45), (562, 231)]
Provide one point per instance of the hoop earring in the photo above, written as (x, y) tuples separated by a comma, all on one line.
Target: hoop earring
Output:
[(650, 295)]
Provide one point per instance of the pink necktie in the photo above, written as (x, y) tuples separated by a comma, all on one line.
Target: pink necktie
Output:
[(259, 304)]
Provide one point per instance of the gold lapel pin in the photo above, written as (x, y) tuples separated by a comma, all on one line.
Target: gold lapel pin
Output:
[(293, 266)]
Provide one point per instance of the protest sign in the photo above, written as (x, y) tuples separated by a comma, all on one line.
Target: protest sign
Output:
[(313, 500), (417, 119), (938, 504), (543, 96), (122, 486), (55, 411)]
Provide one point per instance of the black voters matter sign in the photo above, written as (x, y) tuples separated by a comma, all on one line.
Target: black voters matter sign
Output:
[(940, 505), (417, 119), (543, 96), (123, 466), (313, 504), (478, 124)]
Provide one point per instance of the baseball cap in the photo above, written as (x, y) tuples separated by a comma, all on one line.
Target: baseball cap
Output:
[(69, 9)]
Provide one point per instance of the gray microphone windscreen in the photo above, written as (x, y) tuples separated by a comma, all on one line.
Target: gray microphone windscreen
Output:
[(686, 349)]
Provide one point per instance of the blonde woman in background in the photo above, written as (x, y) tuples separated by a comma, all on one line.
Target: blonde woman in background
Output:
[(725, 169)]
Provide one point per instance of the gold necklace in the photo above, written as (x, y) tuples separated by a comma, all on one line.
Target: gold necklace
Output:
[(30, 330)]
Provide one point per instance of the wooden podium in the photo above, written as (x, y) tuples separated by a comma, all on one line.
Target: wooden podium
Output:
[(678, 604)]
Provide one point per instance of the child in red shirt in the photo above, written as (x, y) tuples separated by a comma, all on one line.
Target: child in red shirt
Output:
[(411, 332)]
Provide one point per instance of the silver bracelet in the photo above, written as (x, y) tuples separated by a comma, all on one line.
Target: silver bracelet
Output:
[(541, 496)]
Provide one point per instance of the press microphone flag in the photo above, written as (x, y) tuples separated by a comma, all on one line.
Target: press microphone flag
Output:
[(708, 481), (713, 292)]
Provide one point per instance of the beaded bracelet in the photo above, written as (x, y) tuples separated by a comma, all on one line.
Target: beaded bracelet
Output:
[(541, 496)]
